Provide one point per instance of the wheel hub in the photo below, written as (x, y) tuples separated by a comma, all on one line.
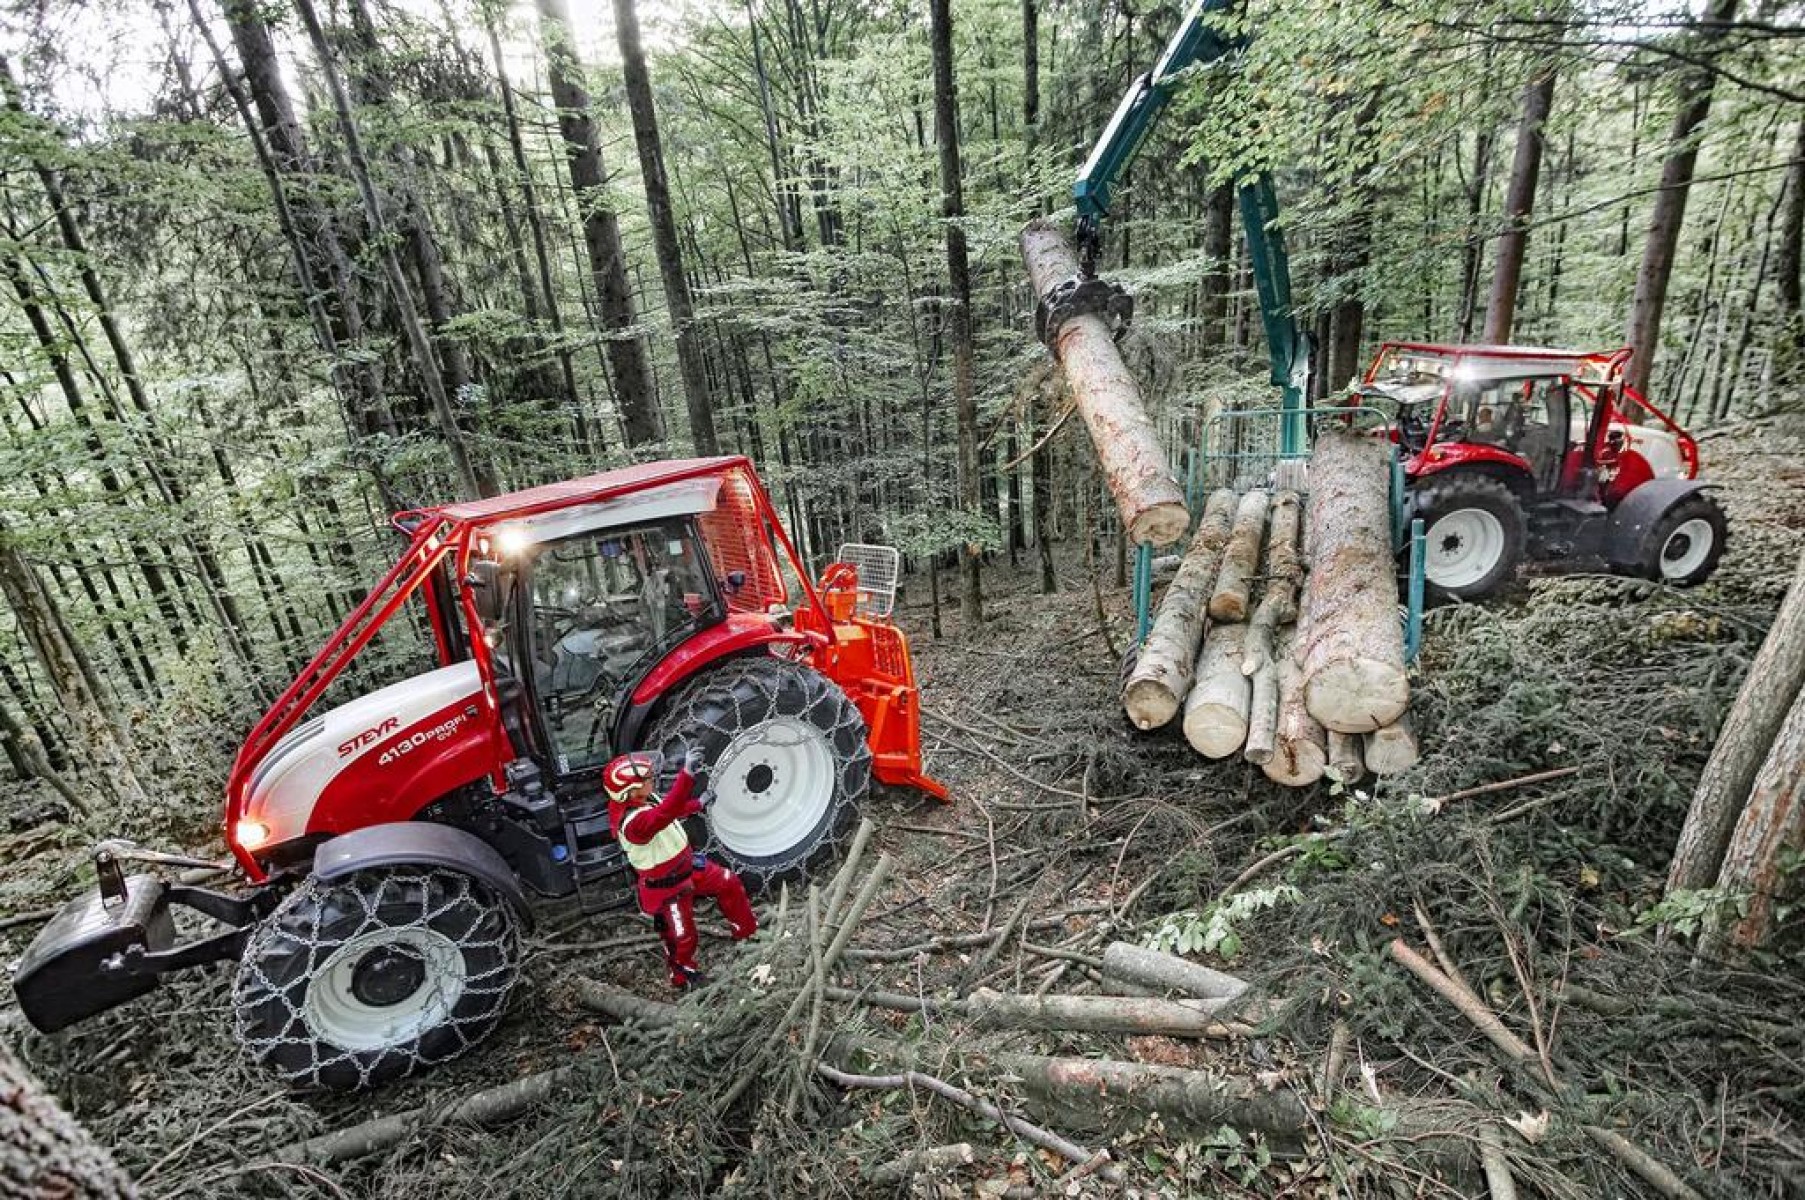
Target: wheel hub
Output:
[(1464, 547), (776, 783), (760, 778), (1686, 548), (387, 975)]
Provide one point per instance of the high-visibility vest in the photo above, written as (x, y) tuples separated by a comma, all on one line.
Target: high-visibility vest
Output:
[(659, 849)]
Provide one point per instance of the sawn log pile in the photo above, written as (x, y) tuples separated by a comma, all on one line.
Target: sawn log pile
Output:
[(1279, 638)]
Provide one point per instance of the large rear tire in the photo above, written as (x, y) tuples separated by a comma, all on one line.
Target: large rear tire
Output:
[(355, 982), (1474, 532), (786, 757), (1685, 545)]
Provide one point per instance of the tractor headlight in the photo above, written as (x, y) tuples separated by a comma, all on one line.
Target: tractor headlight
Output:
[(248, 835)]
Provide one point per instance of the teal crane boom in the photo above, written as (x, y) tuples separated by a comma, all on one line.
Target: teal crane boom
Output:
[(1196, 43)]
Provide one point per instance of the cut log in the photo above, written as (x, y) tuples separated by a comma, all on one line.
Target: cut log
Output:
[(1262, 705), (1168, 972), (1392, 749), (1216, 711), (1300, 750), (45, 1152), (1353, 654), (1345, 759), (1147, 495), (1277, 607), (1240, 559), (1190, 1018), (1168, 659)]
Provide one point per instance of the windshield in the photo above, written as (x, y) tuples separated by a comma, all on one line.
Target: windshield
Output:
[(606, 606)]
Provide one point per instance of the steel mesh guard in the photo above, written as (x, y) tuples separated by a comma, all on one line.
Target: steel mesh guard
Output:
[(292, 1015), (729, 712), (879, 567)]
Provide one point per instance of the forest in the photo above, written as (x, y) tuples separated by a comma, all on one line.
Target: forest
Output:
[(278, 270)]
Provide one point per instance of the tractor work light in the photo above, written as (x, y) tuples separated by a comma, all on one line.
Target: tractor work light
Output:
[(249, 835)]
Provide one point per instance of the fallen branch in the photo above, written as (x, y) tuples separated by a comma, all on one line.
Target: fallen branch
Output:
[(1168, 972), (479, 1108), (1435, 803), (1026, 1130), (930, 1160), (1078, 1014)]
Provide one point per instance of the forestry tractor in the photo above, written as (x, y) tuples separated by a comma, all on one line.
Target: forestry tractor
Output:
[(390, 845), (1508, 453), (1516, 452)]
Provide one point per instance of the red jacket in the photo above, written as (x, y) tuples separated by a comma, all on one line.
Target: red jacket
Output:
[(640, 823)]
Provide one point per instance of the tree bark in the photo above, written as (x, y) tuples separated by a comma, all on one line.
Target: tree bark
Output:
[(1792, 231), (1216, 711), (1775, 680), (958, 306), (677, 300), (1148, 497), (1353, 652), (1167, 663), (45, 1152), (1240, 559), (1694, 96), (1770, 832), (1218, 252), (1519, 204), (1167, 972), (1300, 751), (625, 345)]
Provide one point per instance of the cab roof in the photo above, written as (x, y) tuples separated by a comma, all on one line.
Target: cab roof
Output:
[(1499, 362), (607, 485)]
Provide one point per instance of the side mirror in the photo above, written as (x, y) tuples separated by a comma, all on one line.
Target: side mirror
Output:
[(484, 582)]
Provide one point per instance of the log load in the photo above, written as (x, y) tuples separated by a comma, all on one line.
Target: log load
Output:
[(1240, 559), (1163, 672), (1277, 608), (1300, 750), (1147, 495), (1216, 711), (1353, 654), (1392, 749)]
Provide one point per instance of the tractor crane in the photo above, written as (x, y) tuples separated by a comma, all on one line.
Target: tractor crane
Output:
[(1508, 453)]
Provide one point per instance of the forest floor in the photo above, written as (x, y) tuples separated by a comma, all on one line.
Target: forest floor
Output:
[(1069, 831)]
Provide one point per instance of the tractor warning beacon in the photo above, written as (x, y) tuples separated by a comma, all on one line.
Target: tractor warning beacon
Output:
[(389, 844)]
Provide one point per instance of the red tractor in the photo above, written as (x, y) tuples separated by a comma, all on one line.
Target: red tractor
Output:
[(1512, 451), (390, 843)]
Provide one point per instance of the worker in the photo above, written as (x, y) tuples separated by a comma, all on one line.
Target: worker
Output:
[(670, 874)]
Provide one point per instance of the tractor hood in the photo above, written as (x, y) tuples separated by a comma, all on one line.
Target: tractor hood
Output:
[(367, 760)]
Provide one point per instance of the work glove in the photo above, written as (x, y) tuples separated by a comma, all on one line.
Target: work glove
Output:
[(694, 761)]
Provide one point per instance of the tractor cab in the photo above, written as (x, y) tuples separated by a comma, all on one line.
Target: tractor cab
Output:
[(1516, 450)]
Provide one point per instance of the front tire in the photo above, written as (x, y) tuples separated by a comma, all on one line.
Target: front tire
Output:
[(1474, 532), (354, 982), (787, 760), (1685, 545)]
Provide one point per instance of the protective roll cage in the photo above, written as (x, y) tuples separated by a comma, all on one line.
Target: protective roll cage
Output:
[(454, 535)]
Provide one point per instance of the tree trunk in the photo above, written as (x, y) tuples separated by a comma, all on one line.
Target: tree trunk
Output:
[(1519, 204), (1768, 839), (1792, 229), (1776, 678), (1240, 559), (1167, 662), (958, 306), (1353, 652), (1219, 257), (626, 350), (413, 331), (71, 675), (1694, 95), (1472, 254), (664, 230), (1216, 711), (1149, 499), (45, 1152)]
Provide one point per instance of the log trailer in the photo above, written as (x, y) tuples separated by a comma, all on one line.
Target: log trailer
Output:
[(1508, 453), (389, 846)]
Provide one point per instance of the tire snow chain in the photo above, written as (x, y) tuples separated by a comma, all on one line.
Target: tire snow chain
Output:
[(1080, 296)]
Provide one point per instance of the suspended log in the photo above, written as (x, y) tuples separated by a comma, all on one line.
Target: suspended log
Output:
[(1216, 711), (1148, 497), (1300, 750), (1168, 659), (1168, 972), (1392, 749), (1345, 759), (1353, 654), (1240, 559)]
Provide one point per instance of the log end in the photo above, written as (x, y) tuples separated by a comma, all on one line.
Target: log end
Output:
[(1215, 730), (1161, 524), (1357, 695), (1149, 703), (1231, 609), (1299, 765)]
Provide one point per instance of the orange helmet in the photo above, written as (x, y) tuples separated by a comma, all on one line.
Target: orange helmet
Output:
[(627, 772)]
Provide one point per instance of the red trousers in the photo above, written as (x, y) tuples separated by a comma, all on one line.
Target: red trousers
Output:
[(673, 911)]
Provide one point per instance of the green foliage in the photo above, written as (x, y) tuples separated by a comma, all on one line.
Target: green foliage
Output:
[(1219, 928)]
